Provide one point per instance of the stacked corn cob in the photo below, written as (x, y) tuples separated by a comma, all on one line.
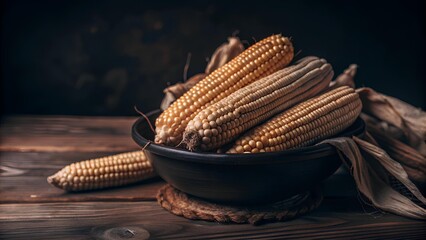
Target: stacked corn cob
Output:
[(304, 124), (222, 122), (260, 60), (229, 102)]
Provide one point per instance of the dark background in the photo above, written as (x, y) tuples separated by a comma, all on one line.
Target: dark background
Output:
[(104, 57)]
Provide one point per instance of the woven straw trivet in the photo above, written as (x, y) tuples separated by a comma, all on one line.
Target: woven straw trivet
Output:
[(190, 207)]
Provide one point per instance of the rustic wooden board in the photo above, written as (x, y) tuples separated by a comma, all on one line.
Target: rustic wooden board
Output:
[(140, 220), (32, 148), (63, 134), (23, 179)]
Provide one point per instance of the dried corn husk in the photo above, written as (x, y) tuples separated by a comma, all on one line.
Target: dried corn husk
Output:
[(390, 173), (346, 78), (383, 127), (371, 167), (391, 115), (411, 160), (223, 54), (410, 120)]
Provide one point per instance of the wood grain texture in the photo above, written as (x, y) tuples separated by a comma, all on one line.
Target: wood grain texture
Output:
[(23, 179), (66, 134), (139, 220), (33, 148)]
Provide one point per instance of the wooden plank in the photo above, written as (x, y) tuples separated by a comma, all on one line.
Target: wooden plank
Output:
[(66, 134), (23, 179), (33, 148), (142, 220)]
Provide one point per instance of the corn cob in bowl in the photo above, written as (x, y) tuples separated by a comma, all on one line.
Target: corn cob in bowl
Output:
[(304, 124), (260, 60), (223, 121)]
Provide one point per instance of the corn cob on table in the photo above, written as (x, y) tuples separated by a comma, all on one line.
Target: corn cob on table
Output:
[(33, 148)]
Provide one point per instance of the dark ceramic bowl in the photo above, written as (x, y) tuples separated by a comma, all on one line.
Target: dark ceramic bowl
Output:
[(241, 178)]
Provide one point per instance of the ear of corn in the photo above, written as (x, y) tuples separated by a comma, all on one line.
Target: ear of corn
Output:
[(261, 59), (110, 171), (304, 124), (222, 122)]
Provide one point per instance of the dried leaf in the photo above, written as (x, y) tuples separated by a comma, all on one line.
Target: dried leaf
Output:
[(383, 127), (411, 120), (347, 78), (411, 160), (370, 168)]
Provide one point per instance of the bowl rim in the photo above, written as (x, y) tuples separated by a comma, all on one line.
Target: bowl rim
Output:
[(298, 154)]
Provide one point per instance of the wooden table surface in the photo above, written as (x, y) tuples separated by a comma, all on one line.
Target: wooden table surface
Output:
[(34, 147)]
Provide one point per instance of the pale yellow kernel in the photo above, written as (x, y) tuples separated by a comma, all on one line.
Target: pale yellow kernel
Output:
[(252, 143), (208, 133), (259, 145), (206, 140), (214, 132), (239, 149), (255, 150), (264, 140), (201, 132), (76, 179)]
